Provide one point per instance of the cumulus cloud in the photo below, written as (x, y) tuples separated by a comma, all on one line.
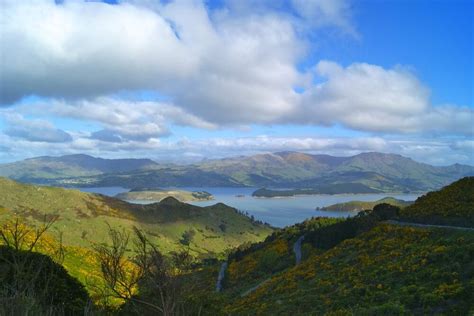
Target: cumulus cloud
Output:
[(368, 97), (121, 119), (433, 151), (84, 49), (35, 130), (217, 68)]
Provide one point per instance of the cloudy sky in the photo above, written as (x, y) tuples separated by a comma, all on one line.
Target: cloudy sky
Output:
[(186, 80)]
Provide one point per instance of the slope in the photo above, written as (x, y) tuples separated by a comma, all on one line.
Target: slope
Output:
[(389, 270), (452, 205), (84, 218)]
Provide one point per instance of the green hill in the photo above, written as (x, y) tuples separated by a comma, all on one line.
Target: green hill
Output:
[(84, 218), (158, 195), (388, 270), (452, 205), (364, 205)]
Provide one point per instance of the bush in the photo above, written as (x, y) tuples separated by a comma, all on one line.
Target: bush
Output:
[(33, 283)]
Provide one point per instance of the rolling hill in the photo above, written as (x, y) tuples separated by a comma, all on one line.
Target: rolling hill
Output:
[(84, 218)]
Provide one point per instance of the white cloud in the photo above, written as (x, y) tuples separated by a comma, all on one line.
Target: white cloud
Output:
[(85, 49), (35, 130), (235, 66), (121, 120), (371, 98), (433, 151)]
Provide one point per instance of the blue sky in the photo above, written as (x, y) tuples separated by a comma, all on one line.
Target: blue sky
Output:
[(186, 80)]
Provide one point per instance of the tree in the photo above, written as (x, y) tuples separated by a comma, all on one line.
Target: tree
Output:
[(146, 269), (187, 237)]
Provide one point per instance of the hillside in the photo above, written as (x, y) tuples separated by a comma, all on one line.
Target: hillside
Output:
[(42, 169), (340, 188), (158, 195), (388, 270), (452, 205), (377, 171), (362, 265), (84, 218), (364, 205), (39, 285)]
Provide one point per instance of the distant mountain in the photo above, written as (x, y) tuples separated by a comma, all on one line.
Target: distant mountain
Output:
[(377, 171), (43, 168)]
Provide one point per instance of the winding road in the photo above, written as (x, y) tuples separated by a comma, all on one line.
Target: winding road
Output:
[(298, 255), (220, 276), (297, 249)]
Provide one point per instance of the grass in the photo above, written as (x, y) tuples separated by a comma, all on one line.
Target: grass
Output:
[(84, 218)]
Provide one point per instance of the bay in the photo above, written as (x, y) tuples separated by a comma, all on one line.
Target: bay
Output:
[(278, 212)]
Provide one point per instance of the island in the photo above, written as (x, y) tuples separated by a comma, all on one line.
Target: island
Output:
[(157, 194), (354, 188), (353, 206)]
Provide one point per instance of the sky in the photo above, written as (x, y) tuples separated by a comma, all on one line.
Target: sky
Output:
[(181, 81)]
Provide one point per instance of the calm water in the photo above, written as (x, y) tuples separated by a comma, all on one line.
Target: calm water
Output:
[(275, 211)]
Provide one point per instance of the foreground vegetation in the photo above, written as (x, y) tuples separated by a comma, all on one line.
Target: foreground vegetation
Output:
[(361, 265), (388, 270)]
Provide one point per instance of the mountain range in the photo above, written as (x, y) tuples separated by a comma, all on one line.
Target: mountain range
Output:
[(377, 171)]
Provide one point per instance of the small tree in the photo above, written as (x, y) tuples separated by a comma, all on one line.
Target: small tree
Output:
[(187, 237), (147, 269)]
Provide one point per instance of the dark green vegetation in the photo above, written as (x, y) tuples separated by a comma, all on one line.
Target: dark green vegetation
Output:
[(158, 195), (357, 266), (33, 284), (364, 205), (452, 205), (339, 188), (377, 171), (85, 217), (361, 265), (388, 270)]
